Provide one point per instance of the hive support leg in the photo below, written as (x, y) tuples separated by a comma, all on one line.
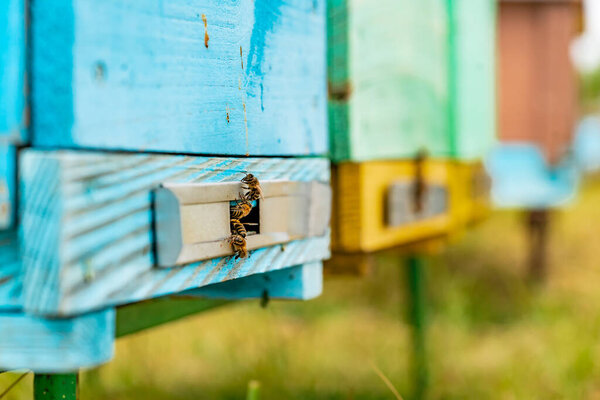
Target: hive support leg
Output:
[(55, 387), (537, 221), (417, 319)]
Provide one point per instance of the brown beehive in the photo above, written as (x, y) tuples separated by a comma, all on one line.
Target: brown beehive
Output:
[(537, 84)]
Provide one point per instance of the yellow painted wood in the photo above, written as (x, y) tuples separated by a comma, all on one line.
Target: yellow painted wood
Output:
[(469, 193), (360, 193)]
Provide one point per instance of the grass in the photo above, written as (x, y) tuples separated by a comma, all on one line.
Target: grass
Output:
[(491, 335)]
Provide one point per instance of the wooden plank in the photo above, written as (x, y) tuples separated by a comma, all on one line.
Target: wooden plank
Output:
[(301, 282), (360, 196), (388, 64), (193, 76), (537, 81), (411, 75), (87, 226), (55, 345), (472, 78), (14, 118)]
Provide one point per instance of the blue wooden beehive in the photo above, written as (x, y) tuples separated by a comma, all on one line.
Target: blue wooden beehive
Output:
[(144, 118)]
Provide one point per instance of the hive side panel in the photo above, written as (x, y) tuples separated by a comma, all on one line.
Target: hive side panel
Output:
[(196, 76), (399, 72)]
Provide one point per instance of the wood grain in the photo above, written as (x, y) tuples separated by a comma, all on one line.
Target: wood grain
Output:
[(301, 282), (241, 77), (55, 345), (87, 226)]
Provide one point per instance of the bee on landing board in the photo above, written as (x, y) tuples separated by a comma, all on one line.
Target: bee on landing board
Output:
[(238, 245), (241, 209), (254, 191)]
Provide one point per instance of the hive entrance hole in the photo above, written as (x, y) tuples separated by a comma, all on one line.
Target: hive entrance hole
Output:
[(251, 221)]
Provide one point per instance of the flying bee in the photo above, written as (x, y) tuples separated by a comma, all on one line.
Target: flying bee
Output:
[(238, 245), (237, 228), (241, 209), (253, 186)]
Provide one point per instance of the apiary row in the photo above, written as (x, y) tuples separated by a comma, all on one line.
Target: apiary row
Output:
[(182, 148)]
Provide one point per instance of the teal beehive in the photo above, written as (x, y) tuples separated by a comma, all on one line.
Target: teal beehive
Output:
[(406, 76)]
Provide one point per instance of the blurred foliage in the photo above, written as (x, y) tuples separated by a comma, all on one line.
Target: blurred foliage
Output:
[(491, 336), (589, 92)]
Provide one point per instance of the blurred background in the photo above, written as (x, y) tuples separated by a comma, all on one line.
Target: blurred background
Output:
[(493, 333)]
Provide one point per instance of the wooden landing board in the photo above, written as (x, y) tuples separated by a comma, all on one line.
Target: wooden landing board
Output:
[(55, 345), (87, 227), (408, 75), (14, 118), (360, 201), (301, 282), (189, 76)]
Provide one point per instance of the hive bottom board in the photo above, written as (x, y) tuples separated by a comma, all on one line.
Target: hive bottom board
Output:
[(67, 344)]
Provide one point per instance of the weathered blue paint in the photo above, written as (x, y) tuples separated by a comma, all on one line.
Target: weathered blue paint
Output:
[(8, 177), (521, 178), (87, 226), (299, 282), (13, 110), (586, 146), (138, 76), (56, 345)]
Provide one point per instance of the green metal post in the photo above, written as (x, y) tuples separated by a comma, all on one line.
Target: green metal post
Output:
[(55, 387), (417, 319), (253, 390)]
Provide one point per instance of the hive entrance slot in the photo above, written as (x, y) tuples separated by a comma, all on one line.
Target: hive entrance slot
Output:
[(251, 221)]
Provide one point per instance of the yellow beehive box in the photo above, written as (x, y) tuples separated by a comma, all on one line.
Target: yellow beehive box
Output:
[(383, 204)]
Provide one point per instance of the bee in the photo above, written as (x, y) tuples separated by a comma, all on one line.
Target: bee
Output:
[(237, 228), (253, 186), (238, 245), (241, 209)]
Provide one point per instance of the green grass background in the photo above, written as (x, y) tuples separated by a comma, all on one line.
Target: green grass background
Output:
[(491, 336)]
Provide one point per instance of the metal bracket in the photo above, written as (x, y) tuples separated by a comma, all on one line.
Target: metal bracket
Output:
[(192, 221), (400, 203)]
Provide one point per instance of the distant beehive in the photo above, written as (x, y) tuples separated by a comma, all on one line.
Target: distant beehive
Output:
[(537, 83)]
